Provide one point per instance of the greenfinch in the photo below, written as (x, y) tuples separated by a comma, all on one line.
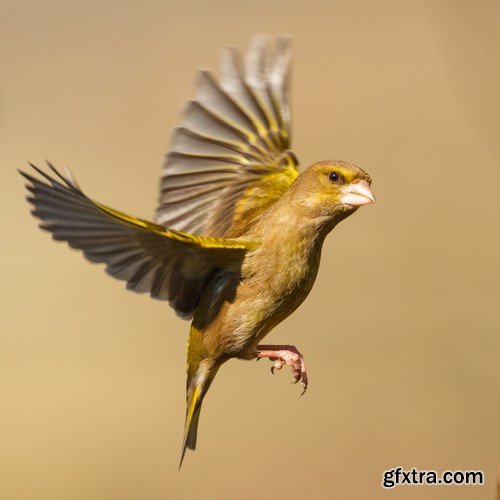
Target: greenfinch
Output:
[(238, 232)]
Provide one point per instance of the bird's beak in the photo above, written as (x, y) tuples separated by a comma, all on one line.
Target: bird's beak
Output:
[(357, 194)]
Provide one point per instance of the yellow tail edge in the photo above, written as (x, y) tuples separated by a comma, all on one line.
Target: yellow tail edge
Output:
[(191, 425)]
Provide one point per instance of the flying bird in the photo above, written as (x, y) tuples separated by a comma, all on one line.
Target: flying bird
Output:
[(238, 231)]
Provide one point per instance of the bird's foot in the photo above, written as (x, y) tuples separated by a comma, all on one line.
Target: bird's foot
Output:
[(285, 355)]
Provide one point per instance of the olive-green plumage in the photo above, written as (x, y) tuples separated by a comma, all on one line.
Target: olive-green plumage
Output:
[(238, 233)]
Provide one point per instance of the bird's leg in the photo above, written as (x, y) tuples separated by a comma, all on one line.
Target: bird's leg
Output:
[(285, 355)]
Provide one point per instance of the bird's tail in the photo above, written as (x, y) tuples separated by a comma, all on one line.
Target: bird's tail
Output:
[(197, 386)]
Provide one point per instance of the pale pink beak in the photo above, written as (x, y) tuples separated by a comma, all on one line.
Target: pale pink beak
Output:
[(357, 194)]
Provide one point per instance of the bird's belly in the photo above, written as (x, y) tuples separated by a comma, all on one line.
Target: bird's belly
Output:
[(259, 307)]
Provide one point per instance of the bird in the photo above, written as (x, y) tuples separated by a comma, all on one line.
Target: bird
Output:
[(236, 241)]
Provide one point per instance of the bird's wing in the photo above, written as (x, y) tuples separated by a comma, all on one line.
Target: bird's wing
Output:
[(229, 158), (150, 258)]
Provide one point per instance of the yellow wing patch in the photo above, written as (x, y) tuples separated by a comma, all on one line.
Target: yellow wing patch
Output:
[(263, 193), (180, 236)]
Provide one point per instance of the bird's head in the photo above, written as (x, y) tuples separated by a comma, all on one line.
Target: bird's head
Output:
[(333, 190)]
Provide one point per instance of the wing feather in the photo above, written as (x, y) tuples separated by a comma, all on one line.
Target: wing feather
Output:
[(149, 257), (232, 143)]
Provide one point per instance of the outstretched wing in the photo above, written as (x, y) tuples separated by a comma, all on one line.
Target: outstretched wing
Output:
[(170, 265), (229, 158)]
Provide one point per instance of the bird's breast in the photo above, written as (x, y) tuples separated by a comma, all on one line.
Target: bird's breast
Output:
[(278, 281)]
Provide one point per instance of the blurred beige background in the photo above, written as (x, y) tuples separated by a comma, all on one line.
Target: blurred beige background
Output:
[(401, 332)]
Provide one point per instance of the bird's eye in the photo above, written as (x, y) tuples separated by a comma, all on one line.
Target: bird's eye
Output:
[(334, 176)]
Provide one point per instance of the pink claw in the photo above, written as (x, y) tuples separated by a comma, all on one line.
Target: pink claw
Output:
[(285, 355)]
